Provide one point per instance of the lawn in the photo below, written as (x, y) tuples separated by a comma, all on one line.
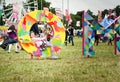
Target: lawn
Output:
[(71, 67)]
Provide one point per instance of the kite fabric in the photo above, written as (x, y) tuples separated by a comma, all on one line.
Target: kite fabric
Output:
[(31, 18), (88, 36), (104, 27)]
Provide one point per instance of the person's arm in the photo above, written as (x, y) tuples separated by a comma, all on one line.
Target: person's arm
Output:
[(73, 32), (9, 31), (38, 38)]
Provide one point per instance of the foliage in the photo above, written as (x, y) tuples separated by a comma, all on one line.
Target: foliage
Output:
[(52, 10), (104, 12), (44, 4), (41, 4), (117, 9), (75, 17), (78, 16), (1, 21)]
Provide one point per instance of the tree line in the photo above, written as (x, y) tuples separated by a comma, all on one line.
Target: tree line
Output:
[(75, 17)]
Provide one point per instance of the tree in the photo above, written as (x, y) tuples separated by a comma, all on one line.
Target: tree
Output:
[(90, 12), (1, 21), (44, 4), (104, 13), (73, 20), (52, 10), (41, 4), (79, 18), (117, 10)]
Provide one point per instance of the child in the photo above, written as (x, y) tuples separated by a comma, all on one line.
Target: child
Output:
[(39, 41), (12, 38), (43, 46)]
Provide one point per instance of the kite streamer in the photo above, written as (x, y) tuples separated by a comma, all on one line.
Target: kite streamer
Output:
[(31, 18)]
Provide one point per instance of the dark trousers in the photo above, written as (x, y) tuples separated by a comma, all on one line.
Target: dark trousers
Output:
[(96, 42), (109, 41), (71, 39)]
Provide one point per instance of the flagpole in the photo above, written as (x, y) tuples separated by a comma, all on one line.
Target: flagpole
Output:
[(83, 33), (62, 11), (115, 37), (41, 4), (68, 5), (68, 10)]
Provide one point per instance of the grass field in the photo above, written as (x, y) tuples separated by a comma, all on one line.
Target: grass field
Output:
[(71, 67)]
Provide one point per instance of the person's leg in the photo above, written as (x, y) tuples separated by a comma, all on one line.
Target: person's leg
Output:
[(111, 41), (69, 39), (66, 42), (19, 47), (52, 50), (9, 48), (16, 47), (72, 40), (97, 42), (31, 55), (51, 46), (108, 41)]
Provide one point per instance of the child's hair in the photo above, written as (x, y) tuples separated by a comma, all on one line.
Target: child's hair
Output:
[(12, 27)]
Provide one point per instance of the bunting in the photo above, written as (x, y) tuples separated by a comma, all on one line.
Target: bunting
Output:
[(68, 17)]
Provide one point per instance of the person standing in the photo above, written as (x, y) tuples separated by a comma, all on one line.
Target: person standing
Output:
[(96, 38), (39, 41), (110, 41), (66, 36), (71, 34), (12, 38)]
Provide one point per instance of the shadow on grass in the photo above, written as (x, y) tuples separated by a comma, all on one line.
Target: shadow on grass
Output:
[(38, 59)]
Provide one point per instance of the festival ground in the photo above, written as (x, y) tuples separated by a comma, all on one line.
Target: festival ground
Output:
[(71, 67)]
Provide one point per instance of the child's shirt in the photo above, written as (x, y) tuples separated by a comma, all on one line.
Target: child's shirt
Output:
[(37, 41)]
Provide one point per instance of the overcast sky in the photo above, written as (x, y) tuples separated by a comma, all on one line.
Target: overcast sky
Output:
[(79, 5)]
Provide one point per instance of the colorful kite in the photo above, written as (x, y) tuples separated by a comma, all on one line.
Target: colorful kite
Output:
[(31, 18), (88, 36), (117, 29)]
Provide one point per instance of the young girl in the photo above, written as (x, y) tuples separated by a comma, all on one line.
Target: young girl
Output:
[(12, 38), (39, 41)]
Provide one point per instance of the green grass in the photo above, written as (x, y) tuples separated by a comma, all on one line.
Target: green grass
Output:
[(71, 67)]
